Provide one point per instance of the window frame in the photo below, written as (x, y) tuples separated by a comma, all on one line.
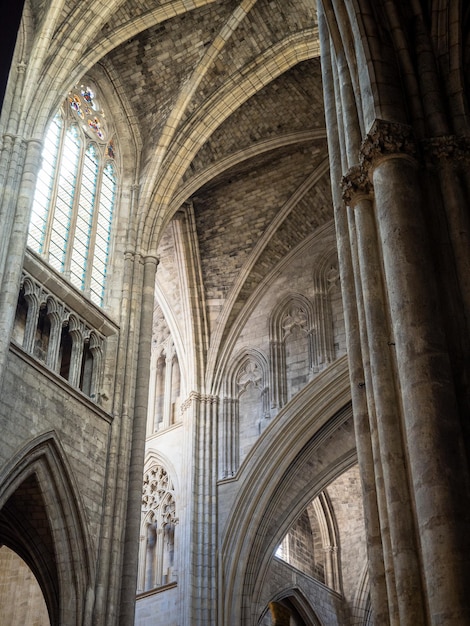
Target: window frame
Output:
[(93, 277)]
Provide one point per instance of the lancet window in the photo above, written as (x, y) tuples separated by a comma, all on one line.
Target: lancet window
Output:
[(291, 348), (157, 542), (165, 378), (75, 196), (245, 409)]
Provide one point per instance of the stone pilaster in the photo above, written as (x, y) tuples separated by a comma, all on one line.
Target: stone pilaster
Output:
[(202, 410)]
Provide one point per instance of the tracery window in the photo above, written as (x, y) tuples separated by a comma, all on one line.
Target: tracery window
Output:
[(75, 194), (157, 543)]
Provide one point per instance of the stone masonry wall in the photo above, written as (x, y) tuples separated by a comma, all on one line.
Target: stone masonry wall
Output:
[(33, 401)]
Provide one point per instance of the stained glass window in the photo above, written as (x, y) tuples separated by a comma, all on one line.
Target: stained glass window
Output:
[(75, 194)]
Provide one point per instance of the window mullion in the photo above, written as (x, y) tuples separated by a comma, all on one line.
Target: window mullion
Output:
[(94, 222), (76, 200), (53, 200)]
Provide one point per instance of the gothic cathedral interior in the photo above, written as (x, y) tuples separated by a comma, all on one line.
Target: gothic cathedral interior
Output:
[(235, 313)]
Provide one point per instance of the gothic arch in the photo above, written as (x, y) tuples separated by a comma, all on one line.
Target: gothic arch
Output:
[(288, 480), (157, 563), (294, 311), (325, 279), (362, 607), (58, 549), (248, 368), (293, 598)]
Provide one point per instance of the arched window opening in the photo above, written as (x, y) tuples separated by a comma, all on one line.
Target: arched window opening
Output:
[(17, 582), (311, 545), (65, 353), (157, 550), (21, 316), (43, 332), (175, 390), (86, 372), (75, 194)]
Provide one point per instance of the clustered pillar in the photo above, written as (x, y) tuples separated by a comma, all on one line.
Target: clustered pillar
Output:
[(419, 463)]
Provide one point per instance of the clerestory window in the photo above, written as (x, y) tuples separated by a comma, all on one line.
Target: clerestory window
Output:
[(75, 194)]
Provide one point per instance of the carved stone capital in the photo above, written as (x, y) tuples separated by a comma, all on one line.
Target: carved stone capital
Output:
[(387, 139), (355, 183), (447, 147), (195, 396)]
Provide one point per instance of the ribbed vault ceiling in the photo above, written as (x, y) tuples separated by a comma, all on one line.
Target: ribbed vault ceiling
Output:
[(224, 100)]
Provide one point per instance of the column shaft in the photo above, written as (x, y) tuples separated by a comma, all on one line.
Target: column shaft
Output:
[(432, 430), (136, 464), (387, 405)]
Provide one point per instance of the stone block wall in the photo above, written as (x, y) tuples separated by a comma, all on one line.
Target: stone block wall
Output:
[(33, 401)]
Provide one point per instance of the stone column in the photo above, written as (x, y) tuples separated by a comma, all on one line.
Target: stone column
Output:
[(203, 539), (381, 567), (159, 394), (76, 331), (96, 349), (432, 430), (136, 464), (55, 313), (32, 296), (371, 487), (167, 388), (16, 247), (387, 406)]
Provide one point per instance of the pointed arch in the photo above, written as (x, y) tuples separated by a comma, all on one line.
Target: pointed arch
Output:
[(296, 602), (293, 312), (287, 481), (249, 368), (58, 550), (158, 523)]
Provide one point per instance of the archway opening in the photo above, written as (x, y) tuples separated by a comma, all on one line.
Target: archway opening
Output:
[(21, 598), (27, 553)]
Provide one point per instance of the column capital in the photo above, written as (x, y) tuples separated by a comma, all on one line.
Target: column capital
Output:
[(195, 396), (447, 147), (144, 258), (387, 140), (355, 185), (150, 258)]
